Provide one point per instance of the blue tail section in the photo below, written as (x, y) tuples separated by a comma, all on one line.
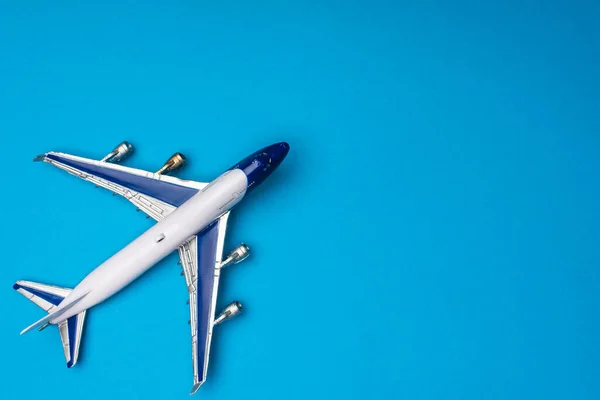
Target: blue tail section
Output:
[(49, 297)]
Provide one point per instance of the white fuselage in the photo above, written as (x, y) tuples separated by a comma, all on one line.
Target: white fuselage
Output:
[(157, 242)]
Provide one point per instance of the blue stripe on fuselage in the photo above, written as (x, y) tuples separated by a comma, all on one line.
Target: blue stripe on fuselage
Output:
[(167, 192)]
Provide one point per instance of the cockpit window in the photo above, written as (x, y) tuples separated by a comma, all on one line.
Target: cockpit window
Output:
[(268, 164)]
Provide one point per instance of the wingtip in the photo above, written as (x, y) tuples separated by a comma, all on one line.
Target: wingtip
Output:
[(195, 387), (40, 157)]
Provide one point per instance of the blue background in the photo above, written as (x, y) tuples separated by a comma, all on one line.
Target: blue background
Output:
[(433, 233)]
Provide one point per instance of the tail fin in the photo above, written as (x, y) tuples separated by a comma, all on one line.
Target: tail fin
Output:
[(49, 297)]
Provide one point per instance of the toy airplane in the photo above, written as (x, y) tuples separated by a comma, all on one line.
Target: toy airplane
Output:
[(191, 218)]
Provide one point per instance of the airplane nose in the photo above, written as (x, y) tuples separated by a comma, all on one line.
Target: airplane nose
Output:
[(277, 152), (261, 164)]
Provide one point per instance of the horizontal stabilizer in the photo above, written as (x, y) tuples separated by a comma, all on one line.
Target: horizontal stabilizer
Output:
[(54, 314), (47, 297), (70, 334)]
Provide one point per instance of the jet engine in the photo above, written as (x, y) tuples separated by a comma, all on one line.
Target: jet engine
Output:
[(120, 152), (238, 255), (231, 310), (173, 163)]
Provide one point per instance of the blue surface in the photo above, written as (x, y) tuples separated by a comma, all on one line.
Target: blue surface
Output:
[(433, 233)]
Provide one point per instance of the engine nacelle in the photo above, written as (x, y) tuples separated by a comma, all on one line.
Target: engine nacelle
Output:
[(173, 163), (120, 152), (238, 255), (230, 311)]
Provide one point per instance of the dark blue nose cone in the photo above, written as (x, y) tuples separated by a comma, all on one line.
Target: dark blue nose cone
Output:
[(261, 164), (277, 152)]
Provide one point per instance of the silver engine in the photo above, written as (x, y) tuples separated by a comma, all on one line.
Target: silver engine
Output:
[(230, 311), (238, 255), (120, 152)]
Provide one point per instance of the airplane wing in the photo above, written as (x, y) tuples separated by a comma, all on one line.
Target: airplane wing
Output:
[(48, 297), (155, 194), (201, 258)]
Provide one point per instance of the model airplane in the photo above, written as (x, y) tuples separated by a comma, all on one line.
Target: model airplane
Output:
[(191, 218)]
